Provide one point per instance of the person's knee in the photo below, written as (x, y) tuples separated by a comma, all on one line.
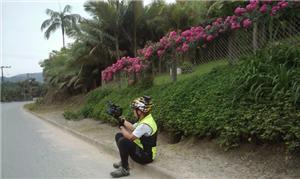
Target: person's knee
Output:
[(118, 136), (123, 142)]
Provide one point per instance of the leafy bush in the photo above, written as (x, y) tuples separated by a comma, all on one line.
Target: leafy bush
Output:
[(31, 106), (273, 73), (267, 95), (255, 101), (188, 106)]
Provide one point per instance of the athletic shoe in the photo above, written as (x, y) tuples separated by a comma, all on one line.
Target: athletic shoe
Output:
[(120, 172)]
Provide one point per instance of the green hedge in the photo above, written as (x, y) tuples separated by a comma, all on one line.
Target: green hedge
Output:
[(221, 104)]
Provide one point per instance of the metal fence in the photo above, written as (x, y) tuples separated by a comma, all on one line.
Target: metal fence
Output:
[(242, 42)]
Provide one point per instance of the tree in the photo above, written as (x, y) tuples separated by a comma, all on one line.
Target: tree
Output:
[(109, 16), (62, 19), (137, 7)]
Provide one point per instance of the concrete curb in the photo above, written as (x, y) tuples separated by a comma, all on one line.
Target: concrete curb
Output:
[(151, 168)]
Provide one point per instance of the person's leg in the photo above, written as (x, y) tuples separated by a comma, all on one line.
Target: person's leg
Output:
[(125, 148), (122, 170), (118, 136), (128, 148)]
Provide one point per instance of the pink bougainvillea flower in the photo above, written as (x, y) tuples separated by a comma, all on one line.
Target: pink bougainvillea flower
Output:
[(274, 10), (198, 36), (235, 26), (251, 7), (254, 1), (172, 34), (186, 33), (263, 9), (209, 38), (216, 23), (163, 41), (220, 19), (160, 53), (137, 68), (247, 23), (140, 52), (283, 4), (185, 47), (208, 27), (178, 40), (148, 52), (240, 11), (227, 19), (221, 30), (233, 18)]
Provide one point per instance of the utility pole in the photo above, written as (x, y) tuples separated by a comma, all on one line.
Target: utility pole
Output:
[(2, 79)]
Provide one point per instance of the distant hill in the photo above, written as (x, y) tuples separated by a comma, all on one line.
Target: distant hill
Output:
[(38, 77)]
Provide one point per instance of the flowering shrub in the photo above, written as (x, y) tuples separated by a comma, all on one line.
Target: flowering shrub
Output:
[(127, 64), (182, 41)]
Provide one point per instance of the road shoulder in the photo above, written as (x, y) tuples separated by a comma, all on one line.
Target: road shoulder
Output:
[(191, 158)]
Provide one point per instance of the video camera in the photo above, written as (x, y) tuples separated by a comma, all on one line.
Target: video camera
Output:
[(114, 110)]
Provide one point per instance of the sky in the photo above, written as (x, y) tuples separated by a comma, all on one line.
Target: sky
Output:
[(23, 45)]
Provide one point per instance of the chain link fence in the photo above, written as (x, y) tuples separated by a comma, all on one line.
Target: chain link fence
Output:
[(243, 42)]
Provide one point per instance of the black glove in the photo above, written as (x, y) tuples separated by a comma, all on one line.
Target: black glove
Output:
[(121, 122)]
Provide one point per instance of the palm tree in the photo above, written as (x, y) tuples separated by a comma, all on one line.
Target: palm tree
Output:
[(137, 8), (110, 16), (62, 19)]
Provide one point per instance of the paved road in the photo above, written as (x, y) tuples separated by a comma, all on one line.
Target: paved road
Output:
[(32, 148)]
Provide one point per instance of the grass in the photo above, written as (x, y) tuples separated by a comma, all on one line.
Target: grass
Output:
[(31, 106), (198, 71)]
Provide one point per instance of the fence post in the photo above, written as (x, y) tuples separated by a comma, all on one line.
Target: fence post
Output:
[(174, 68), (102, 81), (270, 30), (160, 65), (263, 38), (231, 41), (254, 37), (119, 79)]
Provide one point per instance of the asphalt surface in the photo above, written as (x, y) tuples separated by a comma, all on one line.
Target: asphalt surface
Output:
[(32, 148)]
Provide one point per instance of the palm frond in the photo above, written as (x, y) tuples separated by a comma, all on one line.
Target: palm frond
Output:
[(45, 24), (67, 8), (53, 27), (95, 27), (72, 17), (52, 14), (62, 85), (72, 81)]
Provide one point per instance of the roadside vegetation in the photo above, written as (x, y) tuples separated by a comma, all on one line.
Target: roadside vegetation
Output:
[(21, 91), (256, 99)]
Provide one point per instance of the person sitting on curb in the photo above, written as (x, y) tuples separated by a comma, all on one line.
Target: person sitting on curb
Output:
[(138, 140)]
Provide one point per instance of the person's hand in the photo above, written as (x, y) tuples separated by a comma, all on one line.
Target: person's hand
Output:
[(121, 121)]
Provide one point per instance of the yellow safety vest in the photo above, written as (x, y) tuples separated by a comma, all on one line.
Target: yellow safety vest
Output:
[(150, 141)]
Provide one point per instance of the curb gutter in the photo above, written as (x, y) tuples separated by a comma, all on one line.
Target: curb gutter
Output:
[(151, 168)]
